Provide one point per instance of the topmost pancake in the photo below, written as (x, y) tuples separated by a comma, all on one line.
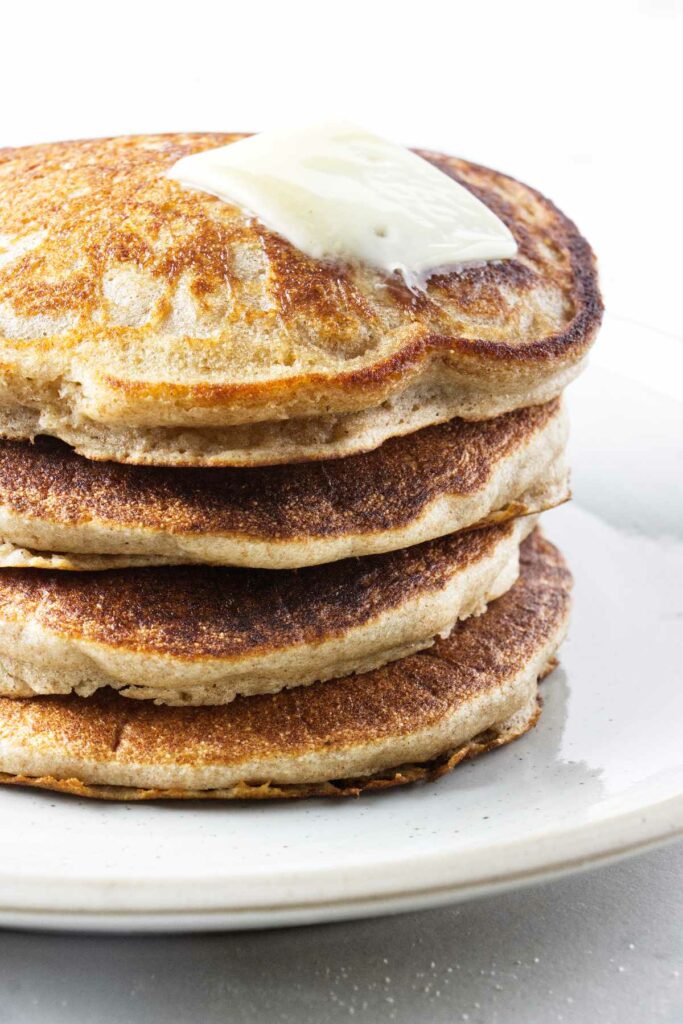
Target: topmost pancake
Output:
[(144, 322)]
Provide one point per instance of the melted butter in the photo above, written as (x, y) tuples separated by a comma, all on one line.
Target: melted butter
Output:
[(336, 191)]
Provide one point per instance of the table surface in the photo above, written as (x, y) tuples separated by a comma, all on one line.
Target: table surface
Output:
[(581, 102), (605, 946)]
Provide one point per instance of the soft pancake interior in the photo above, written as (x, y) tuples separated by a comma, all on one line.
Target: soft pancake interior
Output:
[(409, 719)]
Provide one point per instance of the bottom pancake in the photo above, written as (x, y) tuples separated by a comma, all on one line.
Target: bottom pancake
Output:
[(412, 719), (427, 771)]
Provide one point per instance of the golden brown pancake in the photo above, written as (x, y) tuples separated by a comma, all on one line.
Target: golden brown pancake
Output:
[(201, 635), (144, 322), (414, 718), (58, 510)]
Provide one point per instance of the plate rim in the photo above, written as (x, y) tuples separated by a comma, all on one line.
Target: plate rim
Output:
[(589, 845)]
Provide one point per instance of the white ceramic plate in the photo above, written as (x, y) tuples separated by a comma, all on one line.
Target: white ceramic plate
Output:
[(599, 777)]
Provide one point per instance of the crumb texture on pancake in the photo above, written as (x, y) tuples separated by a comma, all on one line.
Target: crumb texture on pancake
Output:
[(201, 635), (440, 480), (137, 316), (407, 712)]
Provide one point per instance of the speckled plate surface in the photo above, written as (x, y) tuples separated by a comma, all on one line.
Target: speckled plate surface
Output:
[(601, 776)]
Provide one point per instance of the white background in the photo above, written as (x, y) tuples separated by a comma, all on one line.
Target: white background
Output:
[(581, 99)]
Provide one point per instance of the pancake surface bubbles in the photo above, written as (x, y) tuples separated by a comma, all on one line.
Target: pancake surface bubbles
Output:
[(146, 323), (414, 718), (58, 510)]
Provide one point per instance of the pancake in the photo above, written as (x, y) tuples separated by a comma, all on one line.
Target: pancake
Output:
[(202, 635), (143, 322), (60, 511), (415, 718)]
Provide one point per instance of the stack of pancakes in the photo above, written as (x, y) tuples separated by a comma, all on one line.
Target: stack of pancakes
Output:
[(268, 524)]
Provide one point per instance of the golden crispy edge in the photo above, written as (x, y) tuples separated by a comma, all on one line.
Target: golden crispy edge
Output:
[(403, 775)]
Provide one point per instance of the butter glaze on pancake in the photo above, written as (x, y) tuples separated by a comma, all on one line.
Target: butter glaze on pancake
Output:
[(428, 706), (202, 635), (436, 481), (145, 322)]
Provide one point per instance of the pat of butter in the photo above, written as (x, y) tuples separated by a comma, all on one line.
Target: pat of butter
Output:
[(336, 191)]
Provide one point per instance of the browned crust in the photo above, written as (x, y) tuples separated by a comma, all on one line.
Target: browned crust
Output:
[(479, 657), (407, 363), (327, 309), (201, 613), (428, 771), (376, 491)]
